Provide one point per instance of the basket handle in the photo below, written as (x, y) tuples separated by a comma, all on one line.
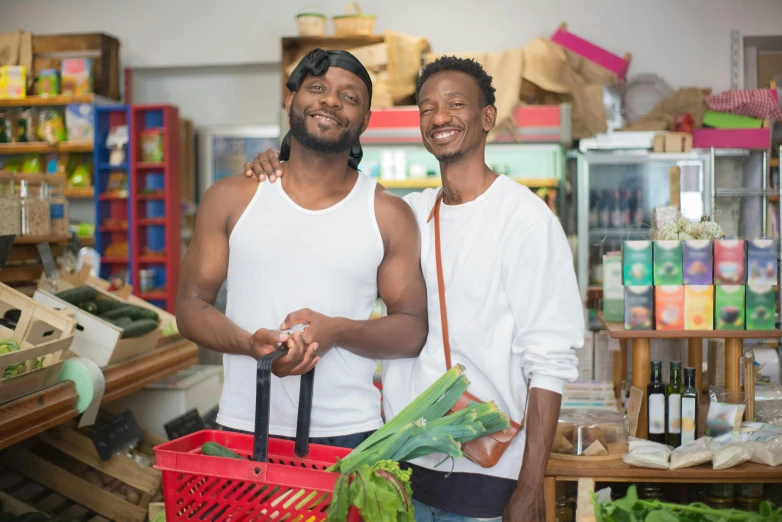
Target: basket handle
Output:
[(356, 9), (263, 408)]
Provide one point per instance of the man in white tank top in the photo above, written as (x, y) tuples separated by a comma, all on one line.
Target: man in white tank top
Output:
[(316, 249)]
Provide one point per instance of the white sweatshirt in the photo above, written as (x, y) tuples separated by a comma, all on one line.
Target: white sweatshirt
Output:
[(514, 311)]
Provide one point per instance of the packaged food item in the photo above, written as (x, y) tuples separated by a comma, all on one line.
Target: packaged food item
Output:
[(692, 454), (31, 164), (613, 291), (646, 454), (723, 418), (766, 447), (729, 307), (667, 263), (58, 211), (79, 119), (637, 263), (639, 307), (698, 262), (35, 218), (10, 223), (152, 145), (729, 262), (51, 126), (76, 76), (590, 433), (762, 262), (729, 451), (760, 307), (698, 307), (669, 307), (81, 176), (48, 82), (117, 143), (13, 82)]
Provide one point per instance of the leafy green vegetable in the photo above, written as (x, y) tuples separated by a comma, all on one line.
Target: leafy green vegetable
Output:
[(380, 493)]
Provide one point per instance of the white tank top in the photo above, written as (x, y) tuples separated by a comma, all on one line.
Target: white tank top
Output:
[(284, 258)]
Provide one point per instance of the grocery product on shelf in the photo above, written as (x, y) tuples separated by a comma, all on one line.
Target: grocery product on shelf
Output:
[(81, 176), (689, 408), (729, 307), (10, 212), (13, 82), (691, 454), (637, 263), (152, 145), (698, 307), (613, 292), (673, 406), (48, 82), (760, 307), (76, 76), (729, 262), (590, 433), (667, 263), (639, 307), (51, 126), (79, 119), (698, 266), (647, 454), (35, 218), (655, 391), (58, 211), (762, 262), (669, 307)]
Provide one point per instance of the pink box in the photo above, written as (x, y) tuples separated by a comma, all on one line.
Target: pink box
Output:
[(615, 64), (731, 138)]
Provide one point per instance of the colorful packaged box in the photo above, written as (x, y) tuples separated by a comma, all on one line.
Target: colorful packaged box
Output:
[(698, 262), (667, 263), (80, 122), (637, 263), (699, 307), (669, 307), (152, 145), (76, 76), (613, 291), (760, 307), (762, 262), (639, 307), (48, 82), (729, 307), (13, 82), (729, 262)]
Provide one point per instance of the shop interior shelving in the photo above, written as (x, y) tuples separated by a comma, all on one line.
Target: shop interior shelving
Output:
[(155, 206)]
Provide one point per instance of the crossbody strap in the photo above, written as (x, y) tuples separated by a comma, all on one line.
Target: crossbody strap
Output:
[(440, 281)]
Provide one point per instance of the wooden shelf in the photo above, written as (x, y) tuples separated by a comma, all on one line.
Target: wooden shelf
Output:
[(34, 240), (32, 179), (435, 182), (617, 331), (42, 101), (80, 192), (45, 148)]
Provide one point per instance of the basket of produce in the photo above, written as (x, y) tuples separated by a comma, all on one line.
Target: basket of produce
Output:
[(353, 23), (229, 476)]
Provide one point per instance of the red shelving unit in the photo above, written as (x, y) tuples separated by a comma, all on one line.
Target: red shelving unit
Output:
[(155, 200)]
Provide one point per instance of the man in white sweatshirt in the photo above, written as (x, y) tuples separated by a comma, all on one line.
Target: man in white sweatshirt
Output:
[(514, 313)]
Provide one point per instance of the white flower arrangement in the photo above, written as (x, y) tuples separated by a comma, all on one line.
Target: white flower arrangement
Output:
[(682, 228)]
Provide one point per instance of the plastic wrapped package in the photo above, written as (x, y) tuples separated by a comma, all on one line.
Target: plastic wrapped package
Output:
[(766, 447), (591, 433), (647, 454), (730, 450), (692, 454)]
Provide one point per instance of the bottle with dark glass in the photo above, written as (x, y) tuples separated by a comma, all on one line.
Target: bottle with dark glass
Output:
[(594, 214), (626, 209), (655, 392), (638, 213), (673, 410), (616, 210), (689, 407)]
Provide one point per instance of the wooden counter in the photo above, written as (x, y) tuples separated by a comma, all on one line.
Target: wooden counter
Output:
[(38, 412)]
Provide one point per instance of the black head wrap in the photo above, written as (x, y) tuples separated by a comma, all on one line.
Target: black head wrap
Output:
[(316, 63)]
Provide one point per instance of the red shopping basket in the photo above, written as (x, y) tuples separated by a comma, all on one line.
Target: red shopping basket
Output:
[(279, 480)]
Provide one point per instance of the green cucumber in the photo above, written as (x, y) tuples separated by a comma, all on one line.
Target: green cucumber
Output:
[(107, 305), (139, 328), (78, 295), (213, 449), (121, 322), (126, 311), (146, 313), (89, 306)]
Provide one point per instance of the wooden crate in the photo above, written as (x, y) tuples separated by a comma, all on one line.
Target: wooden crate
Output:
[(65, 461), (44, 336), (672, 142), (49, 51)]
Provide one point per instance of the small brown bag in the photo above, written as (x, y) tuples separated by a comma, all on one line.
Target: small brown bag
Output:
[(485, 451)]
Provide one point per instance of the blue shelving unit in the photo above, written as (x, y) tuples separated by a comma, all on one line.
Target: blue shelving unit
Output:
[(113, 215)]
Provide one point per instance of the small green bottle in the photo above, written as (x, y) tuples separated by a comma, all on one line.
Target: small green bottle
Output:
[(673, 407), (689, 407)]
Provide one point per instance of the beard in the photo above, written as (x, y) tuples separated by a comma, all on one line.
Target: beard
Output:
[(299, 132), (450, 157)]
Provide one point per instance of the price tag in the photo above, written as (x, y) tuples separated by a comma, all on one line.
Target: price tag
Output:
[(116, 436), (6, 242), (186, 424), (47, 258)]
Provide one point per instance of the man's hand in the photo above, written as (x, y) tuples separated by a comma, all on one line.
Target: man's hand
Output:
[(300, 358), (266, 165), (322, 329), (263, 342), (527, 504)]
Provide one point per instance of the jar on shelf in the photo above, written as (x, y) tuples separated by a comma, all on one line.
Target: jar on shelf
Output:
[(58, 211), (34, 212), (10, 218)]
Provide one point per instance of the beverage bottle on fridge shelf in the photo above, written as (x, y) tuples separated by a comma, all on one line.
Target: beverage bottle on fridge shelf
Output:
[(638, 212), (594, 217), (690, 398), (655, 392), (605, 209), (625, 205), (616, 212), (673, 410)]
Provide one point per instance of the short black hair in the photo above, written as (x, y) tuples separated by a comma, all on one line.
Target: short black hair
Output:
[(465, 65)]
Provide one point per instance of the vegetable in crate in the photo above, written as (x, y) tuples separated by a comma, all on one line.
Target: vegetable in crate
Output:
[(7, 346), (126, 311), (139, 328), (78, 295), (89, 306)]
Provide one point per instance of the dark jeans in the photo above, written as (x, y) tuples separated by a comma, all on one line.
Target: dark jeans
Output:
[(342, 441)]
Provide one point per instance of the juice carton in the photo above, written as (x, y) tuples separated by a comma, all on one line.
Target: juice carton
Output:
[(76, 76), (760, 307), (669, 307), (699, 307), (613, 291), (637, 263), (729, 262), (13, 82), (729, 307), (667, 263), (762, 262), (698, 262), (48, 82), (639, 307)]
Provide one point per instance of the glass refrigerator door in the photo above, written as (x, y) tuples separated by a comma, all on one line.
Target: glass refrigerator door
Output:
[(616, 194)]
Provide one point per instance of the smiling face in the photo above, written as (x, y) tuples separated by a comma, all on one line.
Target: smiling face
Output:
[(329, 112), (454, 116)]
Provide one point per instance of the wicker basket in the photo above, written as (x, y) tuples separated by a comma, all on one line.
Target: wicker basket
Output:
[(354, 23), (311, 24)]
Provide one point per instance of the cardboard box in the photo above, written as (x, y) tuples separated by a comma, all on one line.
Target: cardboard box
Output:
[(669, 307), (667, 263), (13, 82), (76, 76), (637, 263), (699, 307), (760, 307), (613, 291), (762, 262), (729, 307), (697, 262), (639, 307), (729, 262)]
